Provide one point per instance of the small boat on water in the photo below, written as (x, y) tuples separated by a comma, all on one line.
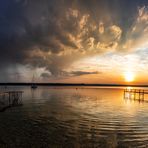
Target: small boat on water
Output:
[(33, 85)]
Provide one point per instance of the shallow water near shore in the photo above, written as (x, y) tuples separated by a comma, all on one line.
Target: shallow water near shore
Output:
[(75, 117)]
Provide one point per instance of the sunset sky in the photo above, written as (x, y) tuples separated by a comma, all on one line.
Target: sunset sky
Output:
[(74, 41)]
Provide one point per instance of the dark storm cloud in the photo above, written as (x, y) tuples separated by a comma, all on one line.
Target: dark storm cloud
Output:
[(79, 73), (45, 75), (54, 33), (65, 74)]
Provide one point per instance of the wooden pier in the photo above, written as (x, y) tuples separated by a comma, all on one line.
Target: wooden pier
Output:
[(136, 94), (10, 99)]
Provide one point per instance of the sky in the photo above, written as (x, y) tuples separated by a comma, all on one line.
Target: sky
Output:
[(74, 41)]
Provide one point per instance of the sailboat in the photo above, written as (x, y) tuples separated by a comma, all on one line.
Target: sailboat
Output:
[(33, 85)]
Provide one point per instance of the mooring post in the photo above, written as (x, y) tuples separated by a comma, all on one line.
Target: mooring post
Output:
[(134, 94), (143, 94), (139, 94), (124, 93), (9, 97)]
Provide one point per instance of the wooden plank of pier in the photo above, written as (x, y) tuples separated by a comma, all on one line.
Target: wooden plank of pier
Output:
[(137, 91)]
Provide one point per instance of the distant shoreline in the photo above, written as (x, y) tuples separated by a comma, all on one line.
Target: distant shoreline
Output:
[(72, 84)]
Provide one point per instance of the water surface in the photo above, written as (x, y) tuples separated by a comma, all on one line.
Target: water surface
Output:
[(68, 117)]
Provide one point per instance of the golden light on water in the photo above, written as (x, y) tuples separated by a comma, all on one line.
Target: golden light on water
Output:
[(129, 76)]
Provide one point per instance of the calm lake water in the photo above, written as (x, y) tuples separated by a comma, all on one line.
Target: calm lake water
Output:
[(66, 117)]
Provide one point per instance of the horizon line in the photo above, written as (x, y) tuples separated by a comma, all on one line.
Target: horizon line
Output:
[(73, 84)]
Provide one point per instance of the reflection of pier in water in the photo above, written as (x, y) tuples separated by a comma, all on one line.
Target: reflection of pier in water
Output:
[(135, 94), (10, 99)]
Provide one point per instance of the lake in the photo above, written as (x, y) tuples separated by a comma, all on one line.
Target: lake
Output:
[(69, 117)]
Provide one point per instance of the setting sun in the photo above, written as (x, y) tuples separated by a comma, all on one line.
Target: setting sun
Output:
[(129, 77)]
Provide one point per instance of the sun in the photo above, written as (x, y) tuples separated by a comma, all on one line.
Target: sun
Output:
[(129, 76)]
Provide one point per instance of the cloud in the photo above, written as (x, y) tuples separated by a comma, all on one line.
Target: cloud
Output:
[(54, 34), (80, 73), (45, 75), (101, 28), (66, 74), (138, 34)]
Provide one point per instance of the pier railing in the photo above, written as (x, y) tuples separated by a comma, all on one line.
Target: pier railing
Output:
[(135, 94), (10, 99)]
